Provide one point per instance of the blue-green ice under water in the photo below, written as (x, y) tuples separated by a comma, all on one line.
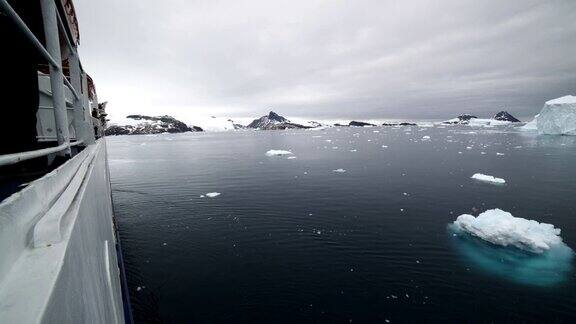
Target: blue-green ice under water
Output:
[(549, 268)]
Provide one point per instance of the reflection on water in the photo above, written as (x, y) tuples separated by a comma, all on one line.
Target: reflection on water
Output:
[(547, 269), (556, 141)]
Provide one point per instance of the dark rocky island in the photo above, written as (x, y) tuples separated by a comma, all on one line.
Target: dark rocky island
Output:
[(466, 119), (399, 124), (152, 125), (359, 124)]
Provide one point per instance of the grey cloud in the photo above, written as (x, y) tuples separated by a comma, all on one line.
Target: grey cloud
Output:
[(329, 59)]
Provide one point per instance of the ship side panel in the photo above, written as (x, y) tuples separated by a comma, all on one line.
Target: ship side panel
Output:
[(88, 288)]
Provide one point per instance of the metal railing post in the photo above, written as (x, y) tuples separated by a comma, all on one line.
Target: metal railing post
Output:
[(56, 78), (76, 80), (90, 139)]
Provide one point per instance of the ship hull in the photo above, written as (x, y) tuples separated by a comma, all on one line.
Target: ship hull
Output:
[(58, 247)]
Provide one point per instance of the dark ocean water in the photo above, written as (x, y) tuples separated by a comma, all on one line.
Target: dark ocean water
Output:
[(291, 241)]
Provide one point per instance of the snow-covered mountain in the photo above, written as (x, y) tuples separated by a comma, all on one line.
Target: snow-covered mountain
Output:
[(141, 124), (462, 119), (274, 121)]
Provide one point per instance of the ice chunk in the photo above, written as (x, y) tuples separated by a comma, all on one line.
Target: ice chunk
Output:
[(501, 228), (531, 126), (544, 269), (488, 178), (558, 117), (278, 153), (213, 194), (339, 170)]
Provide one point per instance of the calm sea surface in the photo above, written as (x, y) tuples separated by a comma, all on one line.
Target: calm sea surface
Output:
[(292, 241)]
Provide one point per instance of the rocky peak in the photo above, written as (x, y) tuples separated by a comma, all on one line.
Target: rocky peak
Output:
[(274, 121), (505, 116), (274, 116), (466, 117)]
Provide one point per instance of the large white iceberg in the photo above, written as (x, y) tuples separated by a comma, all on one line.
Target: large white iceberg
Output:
[(558, 117), (501, 228)]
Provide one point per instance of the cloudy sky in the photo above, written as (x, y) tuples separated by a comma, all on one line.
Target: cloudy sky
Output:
[(328, 59)]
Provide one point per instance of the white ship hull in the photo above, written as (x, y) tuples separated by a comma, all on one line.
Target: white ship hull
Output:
[(58, 260)]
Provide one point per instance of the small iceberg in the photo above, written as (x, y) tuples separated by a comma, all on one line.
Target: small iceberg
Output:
[(516, 249), (501, 228), (278, 153), (339, 170), (212, 194), (542, 270), (488, 178)]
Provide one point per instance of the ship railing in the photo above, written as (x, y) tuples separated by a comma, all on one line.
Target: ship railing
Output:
[(52, 22)]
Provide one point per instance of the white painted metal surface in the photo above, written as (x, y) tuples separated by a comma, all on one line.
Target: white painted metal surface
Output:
[(58, 263)]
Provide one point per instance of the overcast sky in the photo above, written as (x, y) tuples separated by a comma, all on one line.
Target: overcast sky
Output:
[(328, 59)]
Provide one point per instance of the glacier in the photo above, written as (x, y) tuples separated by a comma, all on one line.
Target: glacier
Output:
[(501, 228), (558, 117)]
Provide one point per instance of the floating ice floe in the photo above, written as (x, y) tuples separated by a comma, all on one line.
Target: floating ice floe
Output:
[(501, 228), (278, 153), (488, 178), (339, 170), (291, 157), (558, 117), (212, 194), (479, 122)]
